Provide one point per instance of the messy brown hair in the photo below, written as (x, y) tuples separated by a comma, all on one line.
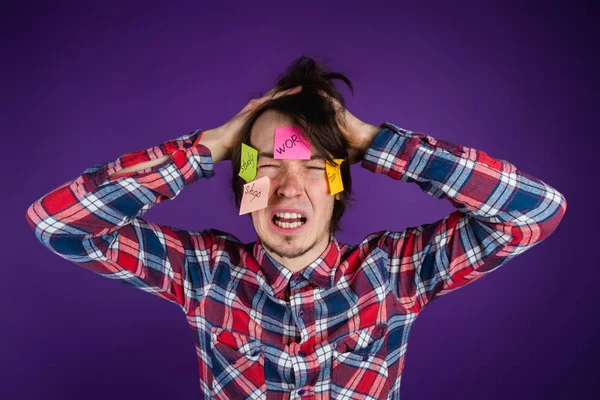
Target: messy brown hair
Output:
[(312, 112)]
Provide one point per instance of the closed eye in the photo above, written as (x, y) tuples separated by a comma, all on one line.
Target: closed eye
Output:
[(321, 168)]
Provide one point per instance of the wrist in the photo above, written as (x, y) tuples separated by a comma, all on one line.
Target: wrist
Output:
[(211, 139), (368, 133)]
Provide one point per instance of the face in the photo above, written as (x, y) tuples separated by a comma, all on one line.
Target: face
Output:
[(299, 188)]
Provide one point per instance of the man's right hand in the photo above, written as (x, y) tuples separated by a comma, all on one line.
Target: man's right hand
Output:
[(220, 141)]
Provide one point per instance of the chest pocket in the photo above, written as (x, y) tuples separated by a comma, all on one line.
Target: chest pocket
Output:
[(359, 367), (238, 366)]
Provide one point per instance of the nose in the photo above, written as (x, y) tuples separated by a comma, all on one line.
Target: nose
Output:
[(289, 184)]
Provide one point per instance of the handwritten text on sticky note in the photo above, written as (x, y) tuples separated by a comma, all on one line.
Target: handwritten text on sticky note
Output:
[(289, 144), (255, 195), (334, 176), (248, 163)]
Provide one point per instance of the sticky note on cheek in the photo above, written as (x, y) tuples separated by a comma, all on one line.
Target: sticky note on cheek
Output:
[(289, 144), (248, 163), (334, 176), (255, 195)]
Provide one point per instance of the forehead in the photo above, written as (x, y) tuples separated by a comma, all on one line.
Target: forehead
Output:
[(262, 135)]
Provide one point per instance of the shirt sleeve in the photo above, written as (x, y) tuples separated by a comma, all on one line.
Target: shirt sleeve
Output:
[(95, 221), (501, 212)]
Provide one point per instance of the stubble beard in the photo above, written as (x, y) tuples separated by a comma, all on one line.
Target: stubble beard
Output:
[(292, 253)]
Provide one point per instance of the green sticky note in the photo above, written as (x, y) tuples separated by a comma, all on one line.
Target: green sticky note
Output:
[(248, 163)]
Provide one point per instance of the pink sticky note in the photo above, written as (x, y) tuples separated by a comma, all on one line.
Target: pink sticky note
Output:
[(289, 144), (255, 195)]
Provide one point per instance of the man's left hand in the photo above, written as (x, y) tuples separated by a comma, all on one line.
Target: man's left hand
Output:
[(359, 134)]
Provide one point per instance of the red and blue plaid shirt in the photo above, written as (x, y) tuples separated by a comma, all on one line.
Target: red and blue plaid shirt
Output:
[(338, 329)]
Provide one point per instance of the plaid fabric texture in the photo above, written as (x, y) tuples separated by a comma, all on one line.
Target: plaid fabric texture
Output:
[(337, 329)]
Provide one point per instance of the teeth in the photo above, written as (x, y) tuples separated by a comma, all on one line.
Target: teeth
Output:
[(288, 215), (288, 225)]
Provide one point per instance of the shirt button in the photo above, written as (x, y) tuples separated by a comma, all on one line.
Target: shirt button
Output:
[(187, 145), (231, 360), (365, 357), (301, 392), (302, 353), (301, 314)]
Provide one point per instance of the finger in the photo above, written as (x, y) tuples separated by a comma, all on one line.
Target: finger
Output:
[(329, 98), (272, 94), (289, 91)]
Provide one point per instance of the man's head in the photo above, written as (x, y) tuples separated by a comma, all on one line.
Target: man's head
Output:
[(298, 186)]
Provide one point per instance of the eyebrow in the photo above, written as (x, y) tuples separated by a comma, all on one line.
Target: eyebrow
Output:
[(270, 155)]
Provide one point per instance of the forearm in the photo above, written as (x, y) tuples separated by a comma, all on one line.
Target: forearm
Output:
[(209, 139), (143, 165), (489, 189), (104, 198)]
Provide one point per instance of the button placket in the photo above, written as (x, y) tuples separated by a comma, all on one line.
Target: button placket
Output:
[(305, 392), (295, 281)]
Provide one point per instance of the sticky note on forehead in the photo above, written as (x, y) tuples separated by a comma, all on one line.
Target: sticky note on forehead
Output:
[(334, 176), (248, 164), (289, 144), (255, 195)]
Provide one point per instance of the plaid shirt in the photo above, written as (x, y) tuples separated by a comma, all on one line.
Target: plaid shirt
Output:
[(337, 329)]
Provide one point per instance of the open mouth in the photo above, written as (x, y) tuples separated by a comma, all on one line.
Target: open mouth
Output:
[(289, 220)]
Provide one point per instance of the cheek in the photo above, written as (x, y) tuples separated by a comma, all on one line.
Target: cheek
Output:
[(319, 183), (321, 200), (260, 218)]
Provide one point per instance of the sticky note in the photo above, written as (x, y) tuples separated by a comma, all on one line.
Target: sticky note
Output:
[(255, 195), (334, 176), (248, 164), (289, 144)]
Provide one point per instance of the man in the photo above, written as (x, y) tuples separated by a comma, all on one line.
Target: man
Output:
[(297, 314)]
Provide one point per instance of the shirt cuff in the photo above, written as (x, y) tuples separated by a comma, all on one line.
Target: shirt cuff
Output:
[(391, 150)]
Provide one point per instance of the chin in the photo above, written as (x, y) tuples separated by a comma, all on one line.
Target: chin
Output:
[(287, 246)]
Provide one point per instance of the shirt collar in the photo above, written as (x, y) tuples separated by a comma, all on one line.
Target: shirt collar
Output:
[(320, 272)]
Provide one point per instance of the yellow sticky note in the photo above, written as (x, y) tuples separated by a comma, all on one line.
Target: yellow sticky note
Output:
[(334, 176), (248, 163)]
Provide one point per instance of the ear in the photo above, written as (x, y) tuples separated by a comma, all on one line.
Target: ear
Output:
[(338, 196)]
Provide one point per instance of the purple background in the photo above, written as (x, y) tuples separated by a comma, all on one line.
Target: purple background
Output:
[(84, 84)]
